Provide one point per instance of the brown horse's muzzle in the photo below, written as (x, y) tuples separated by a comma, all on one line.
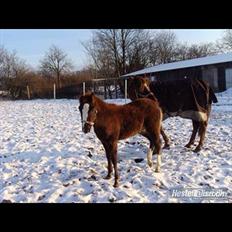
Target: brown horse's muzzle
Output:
[(86, 128)]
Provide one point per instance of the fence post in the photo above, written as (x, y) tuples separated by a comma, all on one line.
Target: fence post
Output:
[(54, 90), (105, 92), (94, 86), (125, 90), (116, 91), (83, 88), (28, 92)]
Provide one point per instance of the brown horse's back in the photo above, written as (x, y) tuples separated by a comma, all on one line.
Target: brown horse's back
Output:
[(137, 116), (123, 121)]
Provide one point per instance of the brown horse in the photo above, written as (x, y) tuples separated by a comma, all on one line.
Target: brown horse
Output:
[(117, 122), (187, 98)]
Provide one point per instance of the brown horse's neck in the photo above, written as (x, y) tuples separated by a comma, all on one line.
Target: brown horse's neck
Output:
[(101, 107), (99, 104)]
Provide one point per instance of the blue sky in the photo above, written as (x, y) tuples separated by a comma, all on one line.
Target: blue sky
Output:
[(199, 35), (31, 44)]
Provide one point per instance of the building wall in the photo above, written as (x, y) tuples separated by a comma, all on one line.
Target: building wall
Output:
[(211, 76), (228, 78), (223, 75), (216, 75), (221, 79), (179, 74)]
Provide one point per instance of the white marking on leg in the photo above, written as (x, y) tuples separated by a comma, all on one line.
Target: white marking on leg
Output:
[(149, 157), (158, 164)]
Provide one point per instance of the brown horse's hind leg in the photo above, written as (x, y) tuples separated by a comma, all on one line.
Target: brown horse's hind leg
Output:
[(155, 147), (114, 161), (150, 153), (193, 136), (202, 132), (158, 152), (166, 139), (150, 149)]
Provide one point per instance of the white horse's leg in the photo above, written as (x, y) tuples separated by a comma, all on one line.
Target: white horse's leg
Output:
[(158, 164), (149, 157)]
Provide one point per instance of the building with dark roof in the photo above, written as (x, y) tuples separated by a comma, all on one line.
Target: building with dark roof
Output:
[(216, 69)]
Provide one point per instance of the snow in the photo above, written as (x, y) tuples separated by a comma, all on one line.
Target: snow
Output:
[(45, 157), (214, 59)]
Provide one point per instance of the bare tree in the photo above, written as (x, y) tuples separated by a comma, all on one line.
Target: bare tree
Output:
[(184, 51), (138, 55), (114, 50), (226, 42), (55, 63), (2, 51), (201, 50), (162, 47), (11, 67), (2, 58)]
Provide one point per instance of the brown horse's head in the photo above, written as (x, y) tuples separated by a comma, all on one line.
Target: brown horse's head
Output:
[(138, 87), (88, 111)]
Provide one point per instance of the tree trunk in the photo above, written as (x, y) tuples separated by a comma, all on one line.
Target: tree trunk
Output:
[(123, 52)]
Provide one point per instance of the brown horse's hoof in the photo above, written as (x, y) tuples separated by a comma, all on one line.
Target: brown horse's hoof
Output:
[(188, 145), (166, 146), (157, 169), (150, 164), (197, 149), (107, 177), (116, 185)]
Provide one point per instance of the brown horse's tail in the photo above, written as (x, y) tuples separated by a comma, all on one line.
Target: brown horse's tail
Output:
[(212, 96)]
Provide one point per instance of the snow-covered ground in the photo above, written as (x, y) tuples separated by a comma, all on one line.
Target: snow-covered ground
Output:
[(45, 157)]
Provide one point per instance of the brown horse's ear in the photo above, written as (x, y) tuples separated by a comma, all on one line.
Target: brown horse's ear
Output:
[(143, 77), (92, 98), (147, 80)]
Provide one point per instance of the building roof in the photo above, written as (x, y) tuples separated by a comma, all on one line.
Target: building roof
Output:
[(215, 59)]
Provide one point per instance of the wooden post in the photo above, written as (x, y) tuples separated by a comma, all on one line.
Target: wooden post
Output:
[(54, 91), (125, 90), (94, 86), (28, 92), (83, 88), (116, 91), (105, 92)]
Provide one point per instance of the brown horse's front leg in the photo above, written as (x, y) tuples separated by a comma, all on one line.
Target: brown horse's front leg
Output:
[(114, 161), (109, 167)]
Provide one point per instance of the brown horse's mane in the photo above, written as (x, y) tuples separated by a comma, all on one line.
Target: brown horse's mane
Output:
[(100, 104)]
